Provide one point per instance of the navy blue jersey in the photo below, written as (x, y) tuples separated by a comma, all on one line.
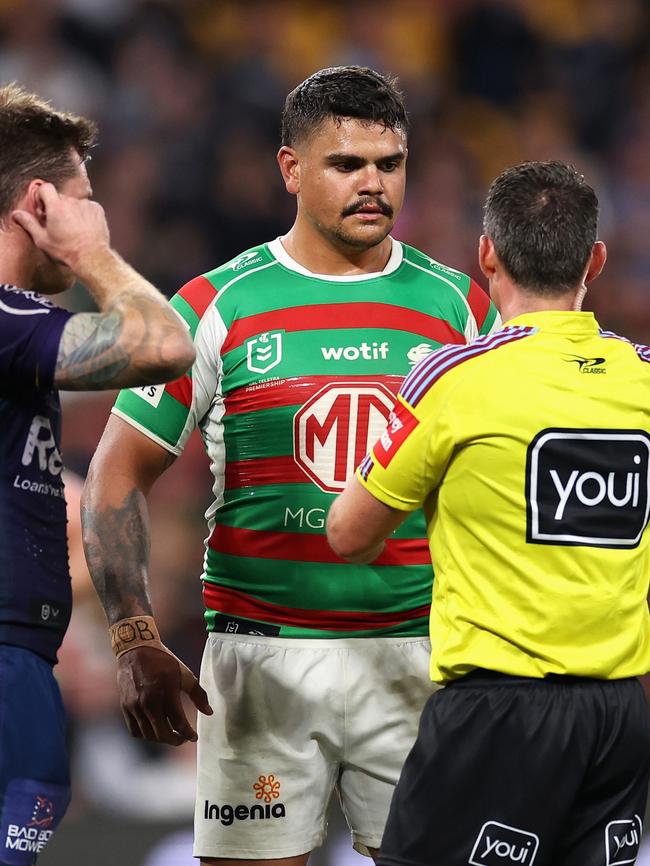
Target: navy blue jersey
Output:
[(35, 596)]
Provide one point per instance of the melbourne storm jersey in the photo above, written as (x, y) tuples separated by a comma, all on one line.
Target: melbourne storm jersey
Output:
[(295, 374), (35, 595), (531, 450)]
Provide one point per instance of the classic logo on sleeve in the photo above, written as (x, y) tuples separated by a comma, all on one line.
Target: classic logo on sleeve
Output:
[(400, 426), (588, 487)]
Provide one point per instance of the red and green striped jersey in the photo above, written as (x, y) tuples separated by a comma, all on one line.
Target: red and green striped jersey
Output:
[(295, 376)]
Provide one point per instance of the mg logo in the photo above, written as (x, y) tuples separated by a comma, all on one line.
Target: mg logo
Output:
[(264, 352), (333, 431)]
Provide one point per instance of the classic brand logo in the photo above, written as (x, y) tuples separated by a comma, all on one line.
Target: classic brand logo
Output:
[(334, 430), (245, 260), (264, 352), (500, 845), (622, 839), (587, 365), (588, 487), (267, 788)]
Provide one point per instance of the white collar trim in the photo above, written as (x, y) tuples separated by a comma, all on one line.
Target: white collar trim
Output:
[(283, 257)]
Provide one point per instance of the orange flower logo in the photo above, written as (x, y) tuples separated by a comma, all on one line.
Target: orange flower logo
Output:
[(267, 788)]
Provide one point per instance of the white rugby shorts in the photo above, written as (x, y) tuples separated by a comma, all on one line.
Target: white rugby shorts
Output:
[(293, 721)]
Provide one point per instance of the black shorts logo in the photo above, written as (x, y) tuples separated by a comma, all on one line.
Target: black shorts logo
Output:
[(622, 840), (588, 487), (501, 845)]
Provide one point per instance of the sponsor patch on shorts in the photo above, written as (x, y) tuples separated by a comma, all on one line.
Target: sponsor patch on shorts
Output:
[(32, 812), (622, 840), (501, 845)]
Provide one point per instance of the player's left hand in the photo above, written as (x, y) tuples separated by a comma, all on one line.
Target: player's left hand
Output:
[(151, 682)]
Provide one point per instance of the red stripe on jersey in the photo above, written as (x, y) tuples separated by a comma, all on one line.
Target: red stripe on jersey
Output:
[(199, 294), (479, 303), (236, 603), (316, 317), (263, 470), (296, 391), (181, 390), (295, 547)]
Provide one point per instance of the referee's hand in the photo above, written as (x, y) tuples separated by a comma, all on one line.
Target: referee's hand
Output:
[(151, 682)]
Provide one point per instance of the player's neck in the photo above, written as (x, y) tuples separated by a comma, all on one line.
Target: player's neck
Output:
[(319, 255), (16, 268)]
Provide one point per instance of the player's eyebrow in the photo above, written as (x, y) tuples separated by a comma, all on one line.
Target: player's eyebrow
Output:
[(351, 159)]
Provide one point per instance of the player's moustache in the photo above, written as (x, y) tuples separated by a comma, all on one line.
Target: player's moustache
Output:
[(383, 206)]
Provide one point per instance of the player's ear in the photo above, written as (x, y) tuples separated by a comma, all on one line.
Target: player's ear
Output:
[(31, 201), (290, 168)]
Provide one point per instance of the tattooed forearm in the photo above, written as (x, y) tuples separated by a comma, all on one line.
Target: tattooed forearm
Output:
[(116, 542), (138, 341), (90, 352)]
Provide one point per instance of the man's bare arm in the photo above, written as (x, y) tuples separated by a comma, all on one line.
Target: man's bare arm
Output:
[(358, 524), (115, 528), (115, 519), (137, 338)]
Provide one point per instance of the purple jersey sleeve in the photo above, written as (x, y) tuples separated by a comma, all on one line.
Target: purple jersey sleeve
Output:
[(30, 333)]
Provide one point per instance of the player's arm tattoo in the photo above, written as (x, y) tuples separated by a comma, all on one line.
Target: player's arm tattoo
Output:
[(91, 355), (116, 542), (133, 343)]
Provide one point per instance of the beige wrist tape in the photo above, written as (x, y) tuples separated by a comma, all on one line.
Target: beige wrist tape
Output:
[(132, 632), (136, 631)]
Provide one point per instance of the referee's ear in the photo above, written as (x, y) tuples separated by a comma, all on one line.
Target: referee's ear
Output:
[(596, 261), (487, 257)]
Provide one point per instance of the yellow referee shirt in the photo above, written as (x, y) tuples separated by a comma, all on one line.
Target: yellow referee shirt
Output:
[(530, 452)]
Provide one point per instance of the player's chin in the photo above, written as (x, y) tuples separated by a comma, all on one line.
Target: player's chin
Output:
[(367, 234)]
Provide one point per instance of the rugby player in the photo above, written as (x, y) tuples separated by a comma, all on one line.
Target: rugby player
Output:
[(316, 669), (51, 233)]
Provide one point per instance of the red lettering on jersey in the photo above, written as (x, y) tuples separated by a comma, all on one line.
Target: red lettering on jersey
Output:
[(400, 425)]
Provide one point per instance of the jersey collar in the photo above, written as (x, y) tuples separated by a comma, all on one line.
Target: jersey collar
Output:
[(558, 321), (393, 263)]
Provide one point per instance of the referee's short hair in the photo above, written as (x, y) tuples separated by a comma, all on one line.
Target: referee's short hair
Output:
[(542, 218), (342, 91)]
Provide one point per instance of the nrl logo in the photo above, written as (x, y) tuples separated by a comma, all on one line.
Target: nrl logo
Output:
[(264, 352)]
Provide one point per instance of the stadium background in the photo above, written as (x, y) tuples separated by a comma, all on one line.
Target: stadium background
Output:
[(188, 96)]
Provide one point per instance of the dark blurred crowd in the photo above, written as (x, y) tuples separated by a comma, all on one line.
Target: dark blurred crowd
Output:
[(188, 96)]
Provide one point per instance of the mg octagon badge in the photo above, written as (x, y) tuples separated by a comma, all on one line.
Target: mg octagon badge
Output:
[(334, 430)]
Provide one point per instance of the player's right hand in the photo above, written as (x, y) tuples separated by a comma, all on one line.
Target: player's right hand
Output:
[(151, 682), (66, 228)]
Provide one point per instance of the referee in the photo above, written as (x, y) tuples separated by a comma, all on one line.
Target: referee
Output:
[(530, 453)]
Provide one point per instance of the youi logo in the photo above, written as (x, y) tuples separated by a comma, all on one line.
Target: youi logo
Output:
[(622, 840), (588, 487), (502, 845)]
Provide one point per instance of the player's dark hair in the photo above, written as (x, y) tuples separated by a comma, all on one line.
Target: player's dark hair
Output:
[(342, 91), (542, 218), (36, 141)]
